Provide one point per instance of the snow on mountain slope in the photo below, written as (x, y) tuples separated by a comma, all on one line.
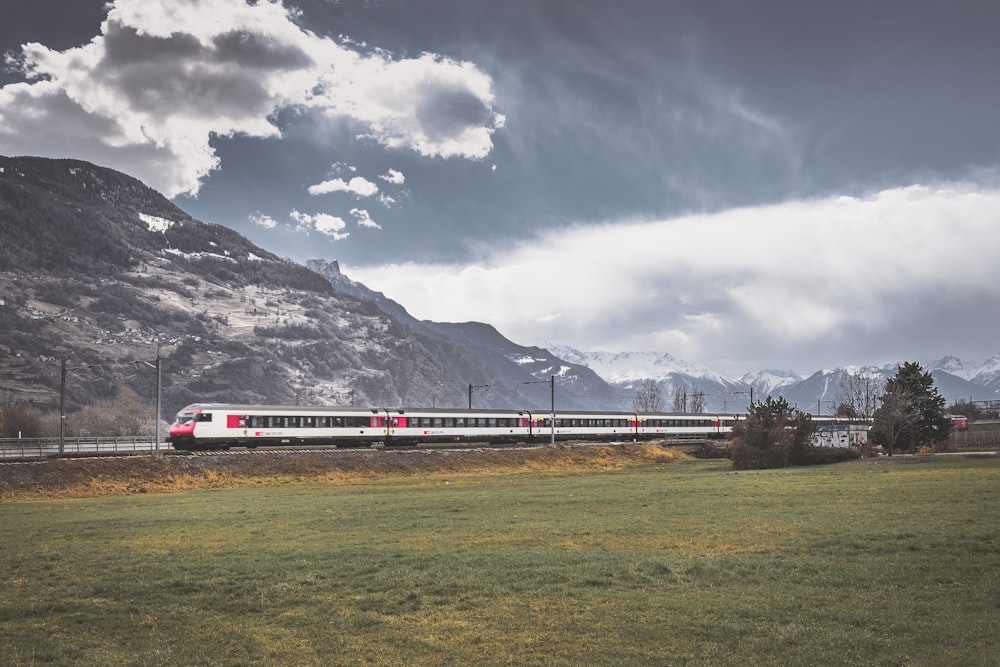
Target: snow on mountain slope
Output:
[(768, 382), (625, 367)]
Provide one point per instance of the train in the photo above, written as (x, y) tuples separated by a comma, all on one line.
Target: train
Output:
[(214, 426)]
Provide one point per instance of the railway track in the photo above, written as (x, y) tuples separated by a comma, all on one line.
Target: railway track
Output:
[(12, 458)]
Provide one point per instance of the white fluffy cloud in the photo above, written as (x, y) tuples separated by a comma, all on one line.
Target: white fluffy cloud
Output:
[(324, 223), (358, 186), (265, 221), (364, 219), (164, 76), (394, 177), (743, 289)]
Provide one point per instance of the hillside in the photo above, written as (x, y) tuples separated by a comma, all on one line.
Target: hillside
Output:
[(105, 273)]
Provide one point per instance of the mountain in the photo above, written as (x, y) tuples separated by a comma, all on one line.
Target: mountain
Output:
[(344, 285), (985, 374), (770, 382), (514, 372), (625, 370), (818, 393), (101, 271), (105, 273)]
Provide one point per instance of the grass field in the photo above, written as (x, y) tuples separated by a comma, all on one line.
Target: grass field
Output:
[(673, 563)]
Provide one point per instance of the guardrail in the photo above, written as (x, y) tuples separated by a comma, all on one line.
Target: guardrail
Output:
[(31, 448)]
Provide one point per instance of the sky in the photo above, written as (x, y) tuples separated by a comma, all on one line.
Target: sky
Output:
[(743, 185)]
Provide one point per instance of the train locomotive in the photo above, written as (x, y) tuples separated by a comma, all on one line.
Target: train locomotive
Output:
[(208, 426)]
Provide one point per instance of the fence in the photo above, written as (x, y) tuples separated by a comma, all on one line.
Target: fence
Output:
[(974, 439), (30, 448)]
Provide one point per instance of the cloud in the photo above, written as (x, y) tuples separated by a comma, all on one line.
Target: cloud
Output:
[(324, 223), (265, 221), (147, 95), (358, 185), (394, 177), (364, 219), (785, 285)]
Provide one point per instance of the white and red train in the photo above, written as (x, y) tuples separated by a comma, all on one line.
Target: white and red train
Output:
[(220, 426)]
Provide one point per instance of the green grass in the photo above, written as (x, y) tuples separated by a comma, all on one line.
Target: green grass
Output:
[(684, 563)]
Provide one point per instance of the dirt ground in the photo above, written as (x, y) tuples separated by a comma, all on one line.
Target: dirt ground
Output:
[(87, 477)]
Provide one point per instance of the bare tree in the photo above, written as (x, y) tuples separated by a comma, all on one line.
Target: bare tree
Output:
[(19, 419), (858, 393), (124, 415), (698, 401), (680, 398), (648, 397)]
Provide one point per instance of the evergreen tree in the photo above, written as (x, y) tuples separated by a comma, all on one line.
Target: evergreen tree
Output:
[(774, 435), (912, 411)]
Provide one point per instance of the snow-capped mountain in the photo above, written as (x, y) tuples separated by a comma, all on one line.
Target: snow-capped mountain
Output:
[(818, 393), (984, 374), (770, 382), (625, 370), (987, 374), (630, 367)]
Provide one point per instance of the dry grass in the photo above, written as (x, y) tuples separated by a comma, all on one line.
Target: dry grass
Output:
[(85, 478)]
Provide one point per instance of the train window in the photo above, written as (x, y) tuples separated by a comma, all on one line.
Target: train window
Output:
[(204, 417)]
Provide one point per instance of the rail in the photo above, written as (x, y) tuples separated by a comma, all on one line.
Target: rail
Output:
[(37, 448)]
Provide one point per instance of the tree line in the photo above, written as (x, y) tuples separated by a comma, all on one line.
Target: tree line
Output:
[(906, 413), (125, 414)]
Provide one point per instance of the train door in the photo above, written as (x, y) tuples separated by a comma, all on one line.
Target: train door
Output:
[(239, 423)]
